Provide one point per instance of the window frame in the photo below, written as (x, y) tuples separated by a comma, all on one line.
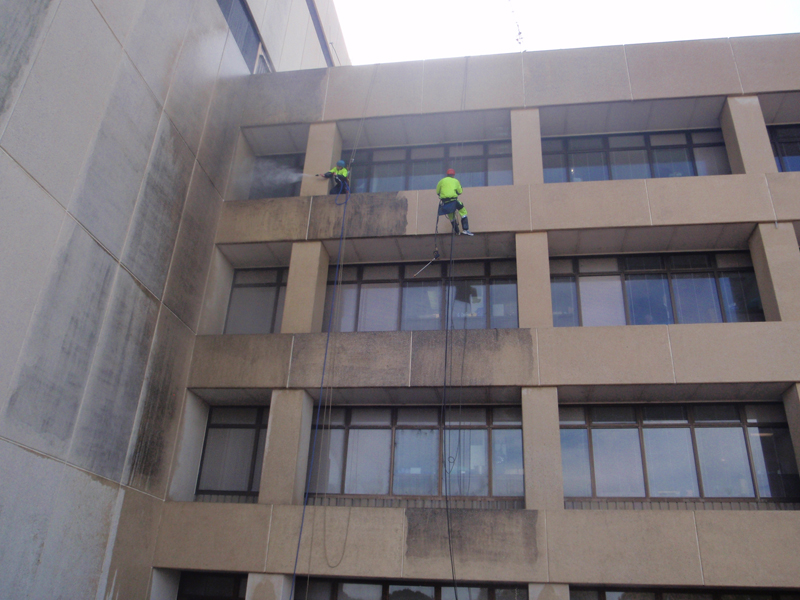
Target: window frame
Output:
[(261, 424), (778, 148), (661, 593), (406, 272), (441, 427), (605, 150), (386, 584), (692, 424), (666, 269), (281, 279), (365, 164)]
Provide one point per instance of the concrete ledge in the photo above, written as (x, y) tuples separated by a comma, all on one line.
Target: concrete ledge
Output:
[(713, 353), (659, 548)]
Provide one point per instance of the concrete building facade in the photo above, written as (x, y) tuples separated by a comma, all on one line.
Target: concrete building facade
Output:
[(167, 332)]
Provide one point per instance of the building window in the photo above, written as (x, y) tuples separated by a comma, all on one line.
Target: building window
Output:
[(233, 453), (212, 586), (318, 589), (399, 452), (482, 295), (667, 451), (655, 289), (786, 147), (577, 593), (245, 32), (634, 156), (277, 176), (256, 303), (420, 168)]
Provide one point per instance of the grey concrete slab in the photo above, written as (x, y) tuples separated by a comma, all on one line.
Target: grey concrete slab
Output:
[(154, 227), (160, 406), (224, 116), (106, 192), (368, 215), (286, 97), (29, 224), (120, 14), (27, 496), (155, 41), (76, 537), (193, 251), (108, 408), (196, 71), (21, 26), (59, 109), (51, 374)]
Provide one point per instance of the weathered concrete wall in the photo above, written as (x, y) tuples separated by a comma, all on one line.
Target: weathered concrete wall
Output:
[(118, 122)]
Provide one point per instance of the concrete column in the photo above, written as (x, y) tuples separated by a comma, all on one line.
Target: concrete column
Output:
[(776, 260), (526, 146), (305, 288), (548, 591), (544, 485), (262, 586), (324, 148), (746, 138), (284, 470), (791, 404), (164, 584), (533, 281)]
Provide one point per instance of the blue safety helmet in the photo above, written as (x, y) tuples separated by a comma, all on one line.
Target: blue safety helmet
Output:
[(340, 163)]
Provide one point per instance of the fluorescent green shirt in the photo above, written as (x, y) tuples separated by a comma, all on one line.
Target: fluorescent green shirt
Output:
[(448, 187), (341, 172)]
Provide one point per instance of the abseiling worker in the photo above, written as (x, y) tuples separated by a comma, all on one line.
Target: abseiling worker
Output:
[(339, 176), (448, 190)]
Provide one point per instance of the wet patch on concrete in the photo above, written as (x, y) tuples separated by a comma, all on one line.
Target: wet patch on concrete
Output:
[(368, 215)]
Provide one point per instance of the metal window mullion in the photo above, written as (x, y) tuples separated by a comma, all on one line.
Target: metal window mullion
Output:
[(692, 428), (750, 460), (640, 427), (392, 442), (254, 453), (591, 458)]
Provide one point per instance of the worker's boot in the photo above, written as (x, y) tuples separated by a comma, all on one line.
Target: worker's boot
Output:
[(465, 225), (454, 223)]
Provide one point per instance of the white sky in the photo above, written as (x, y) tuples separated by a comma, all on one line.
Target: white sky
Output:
[(380, 31)]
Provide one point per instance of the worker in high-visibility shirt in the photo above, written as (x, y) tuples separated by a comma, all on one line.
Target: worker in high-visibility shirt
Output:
[(448, 190), (339, 176)]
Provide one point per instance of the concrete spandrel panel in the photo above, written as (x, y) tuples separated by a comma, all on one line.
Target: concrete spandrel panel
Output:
[(29, 224), (749, 548), (128, 574), (672, 69), (28, 493), (21, 28), (193, 250), (272, 24), (355, 359), (490, 209), (360, 542), (214, 536), (226, 361), (160, 406), (291, 53), (784, 188), (767, 63), (120, 14), (575, 76), (263, 220), (224, 116), (590, 204), (397, 89), (109, 405), (60, 107), (731, 352), (109, 184), (623, 546), (155, 41), (477, 357), (368, 215), (710, 199), (443, 84), (292, 97), (53, 367), (488, 545), (71, 562), (154, 227), (349, 92), (494, 82), (196, 71), (604, 355)]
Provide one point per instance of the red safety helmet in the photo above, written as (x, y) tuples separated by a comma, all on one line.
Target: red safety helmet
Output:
[(451, 172)]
